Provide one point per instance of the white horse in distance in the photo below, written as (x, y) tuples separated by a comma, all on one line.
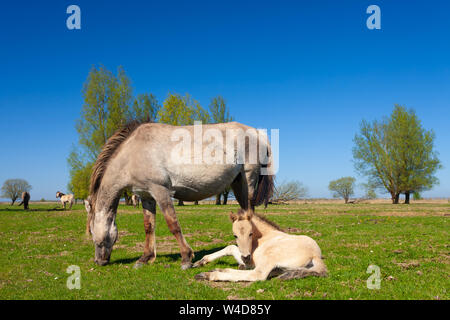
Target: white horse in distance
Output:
[(66, 198)]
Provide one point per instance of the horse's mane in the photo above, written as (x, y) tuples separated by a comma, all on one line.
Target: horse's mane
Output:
[(108, 151), (271, 223), (242, 215)]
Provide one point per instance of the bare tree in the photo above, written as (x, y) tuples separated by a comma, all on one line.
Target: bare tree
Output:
[(13, 188), (288, 191)]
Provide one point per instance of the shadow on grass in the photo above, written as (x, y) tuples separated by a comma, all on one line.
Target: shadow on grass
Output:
[(171, 256), (19, 209)]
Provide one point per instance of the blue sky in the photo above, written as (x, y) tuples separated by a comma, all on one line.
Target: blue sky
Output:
[(311, 69)]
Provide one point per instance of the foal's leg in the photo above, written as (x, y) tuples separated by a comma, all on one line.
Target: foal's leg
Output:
[(162, 196), (149, 209), (231, 250), (257, 274)]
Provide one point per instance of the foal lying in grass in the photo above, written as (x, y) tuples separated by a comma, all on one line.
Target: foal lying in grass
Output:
[(261, 244)]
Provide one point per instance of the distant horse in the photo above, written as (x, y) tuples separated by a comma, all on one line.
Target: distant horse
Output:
[(25, 200), (141, 157), (135, 199), (66, 198), (262, 245)]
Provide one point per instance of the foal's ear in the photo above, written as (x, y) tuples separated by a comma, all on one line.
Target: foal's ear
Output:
[(248, 214), (233, 216)]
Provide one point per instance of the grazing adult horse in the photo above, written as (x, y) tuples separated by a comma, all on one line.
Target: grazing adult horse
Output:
[(158, 162), (135, 199), (271, 252), (66, 198), (25, 200)]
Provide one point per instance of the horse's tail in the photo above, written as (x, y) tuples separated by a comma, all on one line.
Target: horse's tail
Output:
[(264, 188), (318, 269)]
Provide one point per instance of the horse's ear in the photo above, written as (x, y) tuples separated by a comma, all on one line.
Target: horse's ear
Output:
[(233, 216), (87, 205)]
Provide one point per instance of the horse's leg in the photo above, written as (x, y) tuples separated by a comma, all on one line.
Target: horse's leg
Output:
[(149, 209), (252, 176), (231, 250), (162, 197), (88, 223), (240, 190)]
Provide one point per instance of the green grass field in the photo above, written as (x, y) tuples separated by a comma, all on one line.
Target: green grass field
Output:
[(410, 244)]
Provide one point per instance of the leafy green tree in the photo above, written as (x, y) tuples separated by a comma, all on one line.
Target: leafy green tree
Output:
[(371, 155), (417, 196), (412, 151), (145, 108), (181, 110), (397, 154), (108, 105), (343, 188), (13, 188), (219, 111), (79, 182)]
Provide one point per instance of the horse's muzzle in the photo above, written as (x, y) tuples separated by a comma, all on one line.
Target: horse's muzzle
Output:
[(102, 255), (101, 262)]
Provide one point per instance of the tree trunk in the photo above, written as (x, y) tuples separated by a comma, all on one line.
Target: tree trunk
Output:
[(396, 198), (218, 196), (13, 200), (127, 199), (407, 196), (196, 203), (346, 199), (225, 197), (180, 203)]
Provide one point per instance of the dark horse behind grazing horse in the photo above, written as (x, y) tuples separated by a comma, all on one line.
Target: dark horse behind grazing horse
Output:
[(146, 158), (25, 200)]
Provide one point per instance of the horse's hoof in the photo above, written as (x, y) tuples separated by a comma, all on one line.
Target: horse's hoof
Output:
[(138, 265), (242, 267), (186, 266), (199, 263), (201, 276)]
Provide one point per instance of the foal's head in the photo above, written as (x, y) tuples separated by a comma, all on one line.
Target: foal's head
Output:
[(243, 232)]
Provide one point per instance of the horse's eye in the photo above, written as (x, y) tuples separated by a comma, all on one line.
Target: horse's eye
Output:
[(251, 234), (235, 236)]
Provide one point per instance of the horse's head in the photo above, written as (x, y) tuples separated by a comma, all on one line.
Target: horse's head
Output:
[(104, 232), (243, 232), (58, 194)]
